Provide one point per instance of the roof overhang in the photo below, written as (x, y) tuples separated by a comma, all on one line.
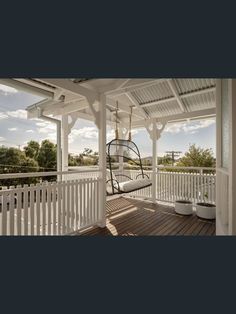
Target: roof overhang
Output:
[(158, 99)]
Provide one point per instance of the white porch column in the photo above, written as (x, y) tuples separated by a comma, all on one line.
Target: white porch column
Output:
[(154, 162), (64, 135), (155, 134), (102, 160), (232, 158)]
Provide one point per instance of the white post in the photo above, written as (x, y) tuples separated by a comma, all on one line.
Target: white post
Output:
[(102, 161), (154, 162), (232, 158), (64, 134), (59, 147)]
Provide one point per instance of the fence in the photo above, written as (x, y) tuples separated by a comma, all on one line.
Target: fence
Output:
[(63, 207), (50, 208), (172, 185)]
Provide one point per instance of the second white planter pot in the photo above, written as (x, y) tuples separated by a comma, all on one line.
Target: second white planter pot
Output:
[(206, 211)]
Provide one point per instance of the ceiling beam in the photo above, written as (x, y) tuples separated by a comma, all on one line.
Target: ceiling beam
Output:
[(176, 95), (86, 116), (122, 83), (137, 105), (205, 113), (122, 107), (136, 86)]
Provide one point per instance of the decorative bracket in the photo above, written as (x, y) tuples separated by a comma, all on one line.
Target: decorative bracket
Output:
[(92, 101), (74, 118), (151, 127)]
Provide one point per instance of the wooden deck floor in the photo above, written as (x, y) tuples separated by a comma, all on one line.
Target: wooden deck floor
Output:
[(129, 217)]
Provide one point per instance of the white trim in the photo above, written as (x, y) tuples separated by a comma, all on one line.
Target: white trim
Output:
[(77, 89), (27, 88)]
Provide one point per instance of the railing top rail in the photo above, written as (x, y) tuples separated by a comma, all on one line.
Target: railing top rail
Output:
[(186, 168), (175, 167), (44, 174), (44, 185)]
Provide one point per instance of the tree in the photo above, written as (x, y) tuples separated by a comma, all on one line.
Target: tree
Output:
[(74, 161), (13, 160), (29, 165), (197, 157), (87, 152), (166, 160), (47, 156), (32, 149)]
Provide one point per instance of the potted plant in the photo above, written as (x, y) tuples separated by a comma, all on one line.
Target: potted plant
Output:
[(206, 210), (184, 207)]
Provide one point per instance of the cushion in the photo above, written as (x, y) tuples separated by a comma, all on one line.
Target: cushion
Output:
[(132, 185)]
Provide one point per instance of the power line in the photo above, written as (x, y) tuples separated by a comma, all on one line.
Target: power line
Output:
[(172, 154)]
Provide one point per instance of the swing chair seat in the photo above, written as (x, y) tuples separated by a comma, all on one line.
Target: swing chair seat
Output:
[(132, 185)]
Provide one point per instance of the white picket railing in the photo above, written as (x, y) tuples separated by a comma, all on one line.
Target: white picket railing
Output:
[(63, 207), (171, 186), (50, 208)]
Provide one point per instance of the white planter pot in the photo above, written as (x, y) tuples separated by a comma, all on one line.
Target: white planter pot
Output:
[(183, 207), (206, 212)]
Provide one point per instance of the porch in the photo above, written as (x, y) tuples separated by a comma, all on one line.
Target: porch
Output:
[(130, 217), (76, 200)]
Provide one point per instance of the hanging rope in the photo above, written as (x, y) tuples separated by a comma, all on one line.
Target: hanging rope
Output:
[(130, 123), (117, 132)]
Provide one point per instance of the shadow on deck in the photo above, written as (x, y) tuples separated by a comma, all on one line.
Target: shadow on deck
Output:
[(129, 217)]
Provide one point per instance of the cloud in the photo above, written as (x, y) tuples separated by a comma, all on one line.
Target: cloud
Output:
[(12, 129), (2, 139), (6, 90), (88, 133), (45, 127), (188, 127), (19, 114), (3, 116), (52, 137)]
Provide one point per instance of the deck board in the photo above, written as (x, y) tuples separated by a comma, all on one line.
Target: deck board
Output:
[(131, 217)]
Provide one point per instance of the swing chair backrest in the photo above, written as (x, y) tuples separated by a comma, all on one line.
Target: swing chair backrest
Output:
[(119, 150)]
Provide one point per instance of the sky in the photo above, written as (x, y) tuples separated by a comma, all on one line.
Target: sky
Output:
[(16, 130)]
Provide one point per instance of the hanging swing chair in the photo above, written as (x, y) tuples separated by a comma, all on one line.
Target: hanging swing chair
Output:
[(122, 153)]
